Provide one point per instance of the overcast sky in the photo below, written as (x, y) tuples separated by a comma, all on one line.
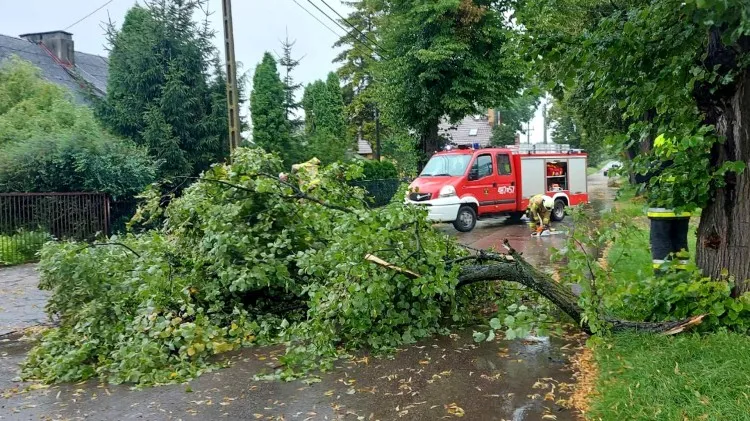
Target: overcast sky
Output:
[(258, 27)]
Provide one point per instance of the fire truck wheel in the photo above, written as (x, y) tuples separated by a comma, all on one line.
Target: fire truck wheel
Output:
[(466, 219), (558, 212)]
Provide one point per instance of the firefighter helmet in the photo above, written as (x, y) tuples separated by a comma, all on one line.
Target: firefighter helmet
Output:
[(548, 202)]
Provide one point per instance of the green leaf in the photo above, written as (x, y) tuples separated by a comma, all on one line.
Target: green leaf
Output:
[(479, 336), (495, 323)]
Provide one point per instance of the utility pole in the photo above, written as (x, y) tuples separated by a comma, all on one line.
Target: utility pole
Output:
[(233, 106), (544, 116), (377, 133), (528, 132)]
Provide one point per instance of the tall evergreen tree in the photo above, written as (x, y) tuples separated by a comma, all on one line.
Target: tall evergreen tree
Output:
[(161, 92), (291, 105), (325, 123), (357, 66), (271, 129)]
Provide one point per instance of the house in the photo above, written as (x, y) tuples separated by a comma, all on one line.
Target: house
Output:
[(54, 54), (469, 131)]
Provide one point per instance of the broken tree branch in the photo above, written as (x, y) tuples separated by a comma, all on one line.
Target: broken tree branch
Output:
[(519, 271), (380, 262)]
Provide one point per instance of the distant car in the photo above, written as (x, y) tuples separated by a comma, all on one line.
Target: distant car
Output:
[(614, 165)]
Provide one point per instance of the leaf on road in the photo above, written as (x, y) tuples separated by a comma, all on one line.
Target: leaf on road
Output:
[(455, 410)]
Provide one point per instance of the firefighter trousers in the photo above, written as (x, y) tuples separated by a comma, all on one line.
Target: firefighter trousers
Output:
[(668, 237)]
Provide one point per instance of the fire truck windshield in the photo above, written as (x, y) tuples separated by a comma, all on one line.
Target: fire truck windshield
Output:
[(446, 166)]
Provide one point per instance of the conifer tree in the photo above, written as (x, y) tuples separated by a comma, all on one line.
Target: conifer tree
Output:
[(271, 129)]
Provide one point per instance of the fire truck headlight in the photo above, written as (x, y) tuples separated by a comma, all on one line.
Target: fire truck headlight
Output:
[(447, 191)]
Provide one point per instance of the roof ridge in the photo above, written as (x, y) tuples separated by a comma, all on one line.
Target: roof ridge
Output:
[(76, 51)]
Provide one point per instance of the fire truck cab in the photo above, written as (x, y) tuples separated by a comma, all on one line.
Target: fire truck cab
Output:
[(463, 185)]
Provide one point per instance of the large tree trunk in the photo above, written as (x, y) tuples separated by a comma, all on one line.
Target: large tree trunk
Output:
[(724, 231), (429, 143)]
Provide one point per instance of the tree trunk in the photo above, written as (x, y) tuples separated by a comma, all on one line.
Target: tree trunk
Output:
[(429, 143), (513, 268), (724, 231)]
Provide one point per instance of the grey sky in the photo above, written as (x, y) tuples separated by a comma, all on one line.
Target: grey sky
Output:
[(258, 27)]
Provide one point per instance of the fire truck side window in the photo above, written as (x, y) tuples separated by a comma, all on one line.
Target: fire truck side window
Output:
[(503, 164), (482, 166)]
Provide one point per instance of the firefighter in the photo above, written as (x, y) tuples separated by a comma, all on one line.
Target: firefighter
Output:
[(669, 229), (539, 211)]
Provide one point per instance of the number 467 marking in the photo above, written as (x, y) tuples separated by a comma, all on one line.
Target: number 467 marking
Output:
[(506, 189)]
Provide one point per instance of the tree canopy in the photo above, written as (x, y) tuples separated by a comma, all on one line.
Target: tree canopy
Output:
[(48, 143), (271, 129), (445, 58), (511, 118), (325, 123), (161, 90), (665, 67)]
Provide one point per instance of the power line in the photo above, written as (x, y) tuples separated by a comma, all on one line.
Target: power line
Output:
[(354, 27), (87, 16), (369, 47), (329, 18), (316, 18)]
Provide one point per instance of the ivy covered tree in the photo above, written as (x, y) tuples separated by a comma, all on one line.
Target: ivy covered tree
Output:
[(161, 91), (271, 129), (667, 67), (48, 143), (445, 58), (325, 123)]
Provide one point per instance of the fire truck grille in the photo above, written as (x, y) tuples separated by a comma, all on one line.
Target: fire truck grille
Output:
[(420, 197)]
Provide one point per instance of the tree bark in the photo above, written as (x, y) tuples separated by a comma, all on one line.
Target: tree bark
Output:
[(513, 268), (429, 143), (724, 231)]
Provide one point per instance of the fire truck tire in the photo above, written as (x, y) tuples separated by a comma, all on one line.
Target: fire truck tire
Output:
[(466, 219), (558, 211)]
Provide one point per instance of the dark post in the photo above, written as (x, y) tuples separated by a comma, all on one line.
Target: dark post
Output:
[(377, 134)]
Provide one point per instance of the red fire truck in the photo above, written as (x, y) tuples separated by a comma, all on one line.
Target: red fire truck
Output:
[(463, 185)]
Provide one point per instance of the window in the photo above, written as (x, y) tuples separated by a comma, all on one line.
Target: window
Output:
[(473, 132), (482, 166), (446, 165), (503, 164)]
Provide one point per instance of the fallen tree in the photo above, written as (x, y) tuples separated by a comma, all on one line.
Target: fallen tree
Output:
[(247, 258)]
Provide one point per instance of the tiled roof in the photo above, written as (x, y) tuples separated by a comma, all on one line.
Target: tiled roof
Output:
[(363, 147), (468, 131), (91, 68)]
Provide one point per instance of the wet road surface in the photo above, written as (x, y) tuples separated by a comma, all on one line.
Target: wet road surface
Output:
[(21, 302), (441, 378)]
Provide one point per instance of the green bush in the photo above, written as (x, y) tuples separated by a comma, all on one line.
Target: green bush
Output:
[(242, 260), (379, 170), (65, 163), (50, 143), (22, 247)]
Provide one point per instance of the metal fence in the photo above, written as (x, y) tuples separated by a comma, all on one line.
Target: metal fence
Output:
[(27, 220), (380, 192)]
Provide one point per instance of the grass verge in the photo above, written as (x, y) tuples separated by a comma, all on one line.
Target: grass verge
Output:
[(656, 377), (687, 377)]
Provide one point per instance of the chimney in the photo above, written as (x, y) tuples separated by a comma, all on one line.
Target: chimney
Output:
[(491, 117), (59, 43)]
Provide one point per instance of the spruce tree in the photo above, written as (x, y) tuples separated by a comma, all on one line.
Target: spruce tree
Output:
[(291, 105), (356, 69), (271, 129), (161, 90)]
